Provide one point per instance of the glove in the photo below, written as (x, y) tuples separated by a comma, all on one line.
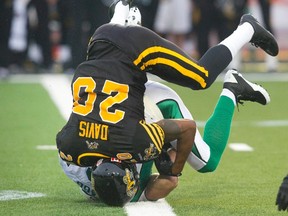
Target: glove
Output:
[(164, 164), (282, 196)]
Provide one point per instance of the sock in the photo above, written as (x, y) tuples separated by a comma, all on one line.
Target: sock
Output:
[(229, 94), (120, 13), (238, 38), (217, 131)]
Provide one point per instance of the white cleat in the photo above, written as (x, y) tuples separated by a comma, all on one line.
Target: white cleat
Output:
[(245, 90)]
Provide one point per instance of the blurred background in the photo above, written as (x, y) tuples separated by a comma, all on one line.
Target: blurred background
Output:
[(51, 36)]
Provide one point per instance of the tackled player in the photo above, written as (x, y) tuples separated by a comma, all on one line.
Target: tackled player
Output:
[(108, 88)]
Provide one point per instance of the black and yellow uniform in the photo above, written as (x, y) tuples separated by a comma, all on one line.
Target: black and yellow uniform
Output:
[(107, 119)]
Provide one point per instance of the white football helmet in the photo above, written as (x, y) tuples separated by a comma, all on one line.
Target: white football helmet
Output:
[(134, 17)]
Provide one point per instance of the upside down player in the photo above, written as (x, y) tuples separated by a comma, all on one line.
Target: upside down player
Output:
[(145, 52), (207, 151)]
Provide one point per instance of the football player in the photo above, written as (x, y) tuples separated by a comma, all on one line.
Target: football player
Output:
[(204, 156), (107, 122)]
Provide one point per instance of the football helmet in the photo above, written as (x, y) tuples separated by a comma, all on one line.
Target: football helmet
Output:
[(134, 17), (115, 182)]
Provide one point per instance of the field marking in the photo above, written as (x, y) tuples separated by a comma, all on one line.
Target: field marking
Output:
[(243, 147), (46, 147), (271, 123), (6, 195), (264, 123), (161, 207), (58, 87), (252, 77)]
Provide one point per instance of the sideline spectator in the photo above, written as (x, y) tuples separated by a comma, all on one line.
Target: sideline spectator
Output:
[(174, 20), (18, 27)]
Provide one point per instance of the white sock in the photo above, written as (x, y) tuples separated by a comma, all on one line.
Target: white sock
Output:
[(229, 94), (143, 197), (120, 14), (238, 38)]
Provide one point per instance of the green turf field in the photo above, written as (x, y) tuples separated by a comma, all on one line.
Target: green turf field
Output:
[(245, 183)]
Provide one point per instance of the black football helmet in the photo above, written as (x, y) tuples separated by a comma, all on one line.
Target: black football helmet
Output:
[(115, 182)]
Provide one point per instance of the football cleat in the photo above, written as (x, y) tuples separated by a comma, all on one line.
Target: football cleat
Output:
[(245, 90), (134, 17), (113, 5), (262, 38)]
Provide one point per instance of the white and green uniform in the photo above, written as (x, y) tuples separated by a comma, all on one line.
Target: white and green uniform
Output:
[(206, 152)]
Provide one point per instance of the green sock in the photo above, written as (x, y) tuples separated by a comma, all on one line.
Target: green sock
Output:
[(217, 131)]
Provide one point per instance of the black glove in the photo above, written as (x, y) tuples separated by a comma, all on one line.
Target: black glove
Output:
[(164, 164), (282, 196)]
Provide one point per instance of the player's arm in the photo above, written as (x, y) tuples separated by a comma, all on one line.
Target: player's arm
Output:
[(172, 107), (159, 186), (182, 130)]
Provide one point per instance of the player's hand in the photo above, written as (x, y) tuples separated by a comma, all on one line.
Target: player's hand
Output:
[(282, 196), (164, 164)]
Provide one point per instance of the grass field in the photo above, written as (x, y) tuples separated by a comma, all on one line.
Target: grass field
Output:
[(245, 183)]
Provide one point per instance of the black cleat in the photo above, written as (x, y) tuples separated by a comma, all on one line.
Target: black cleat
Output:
[(113, 5), (245, 90), (262, 38)]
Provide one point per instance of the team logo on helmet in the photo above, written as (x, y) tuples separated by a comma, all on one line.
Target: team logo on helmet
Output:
[(130, 181)]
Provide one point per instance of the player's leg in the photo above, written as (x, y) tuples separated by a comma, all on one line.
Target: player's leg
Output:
[(217, 58), (172, 106), (217, 129), (206, 153)]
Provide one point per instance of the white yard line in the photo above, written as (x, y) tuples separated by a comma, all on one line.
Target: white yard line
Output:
[(46, 147), (58, 88), (6, 195), (271, 123), (243, 147), (161, 207)]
